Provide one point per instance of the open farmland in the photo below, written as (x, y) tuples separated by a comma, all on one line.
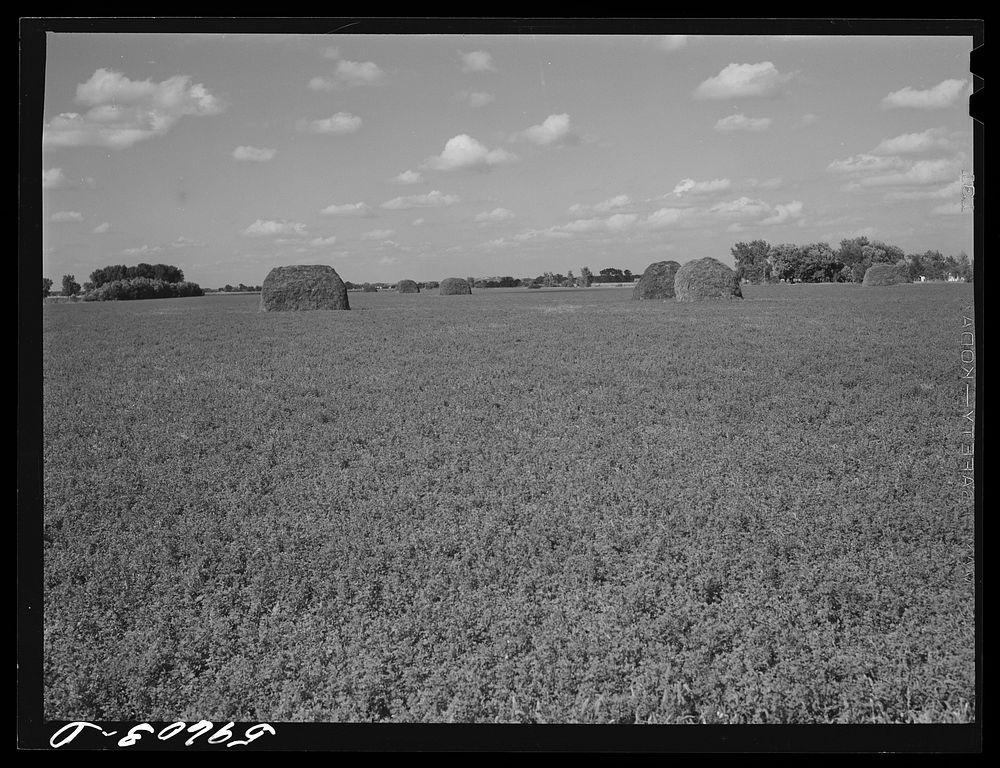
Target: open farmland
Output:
[(515, 506)]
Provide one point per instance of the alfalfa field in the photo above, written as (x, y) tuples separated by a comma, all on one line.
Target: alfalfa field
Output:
[(551, 506)]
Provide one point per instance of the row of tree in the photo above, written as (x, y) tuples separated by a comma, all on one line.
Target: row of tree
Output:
[(759, 262)]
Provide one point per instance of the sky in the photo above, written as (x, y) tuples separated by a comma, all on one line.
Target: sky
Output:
[(427, 156)]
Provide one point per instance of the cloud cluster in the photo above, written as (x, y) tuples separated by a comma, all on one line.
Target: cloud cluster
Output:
[(101, 228), (53, 178), (464, 152), (477, 61), (912, 143), (378, 234), (741, 122), (761, 80), (349, 74), (433, 199), (340, 123), (891, 163), (254, 154), (605, 206), (123, 112), (941, 96), (270, 228), (554, 130), (408, 177), (495, 216), (347, 209), (692, 187)]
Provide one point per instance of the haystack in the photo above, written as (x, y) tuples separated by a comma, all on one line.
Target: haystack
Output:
[(407, 286), (657, 282), (302, 287), (885, 274), (455, 286), (704, 279)]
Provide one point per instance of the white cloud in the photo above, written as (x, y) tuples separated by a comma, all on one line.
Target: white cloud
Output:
[(807, 119), (743, 80), (741, 207), (321, 84), (666, 217), (865, 163), (942, 95), (620, 221), (347, 209), (463, 151), (418, 221), (433, 199), (408, 177), (269, 228), (123, 112), (53, 178), (783, 212), (920, 172), (690, 186), (330, 52), (673, 42), (378, 234), (320, 242), (605, 206), (101, 228), (911, 143), (476, 99), (254, 154), (494, 216), (342, 122), (772, 183), (477, 61), (61, 216), (555, 129), (743, 123), (359, 73)]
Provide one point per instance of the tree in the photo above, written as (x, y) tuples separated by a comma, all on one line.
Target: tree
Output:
[(70, 287), (46, 287), (751, 260), (818, 264), (785, 260), (850, 252), (586, 278)]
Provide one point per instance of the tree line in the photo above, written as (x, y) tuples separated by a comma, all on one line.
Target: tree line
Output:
[(120, 282), (760, 262)]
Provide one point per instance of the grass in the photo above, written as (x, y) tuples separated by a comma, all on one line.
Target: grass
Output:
[(545, 506)]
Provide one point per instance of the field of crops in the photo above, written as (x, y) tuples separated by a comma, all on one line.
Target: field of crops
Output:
[(515, 506)]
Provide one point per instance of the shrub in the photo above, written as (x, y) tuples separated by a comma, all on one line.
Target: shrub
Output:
[(142, 288)]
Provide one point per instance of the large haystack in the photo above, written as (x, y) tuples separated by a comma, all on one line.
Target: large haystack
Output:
[(407, 286), (704, 279), (302, 287), (657, 282), (455, 286), (885, 274)]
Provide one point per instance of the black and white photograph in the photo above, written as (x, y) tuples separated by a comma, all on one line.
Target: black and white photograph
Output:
[(500, 374)]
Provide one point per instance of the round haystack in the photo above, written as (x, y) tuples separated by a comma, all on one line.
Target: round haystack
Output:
[(302, 287), (369, 288), (407, 286), (885, 274), (704, 279), (657, 282), (455, 286)]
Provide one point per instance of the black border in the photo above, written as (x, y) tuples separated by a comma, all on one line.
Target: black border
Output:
[(34, 733)]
